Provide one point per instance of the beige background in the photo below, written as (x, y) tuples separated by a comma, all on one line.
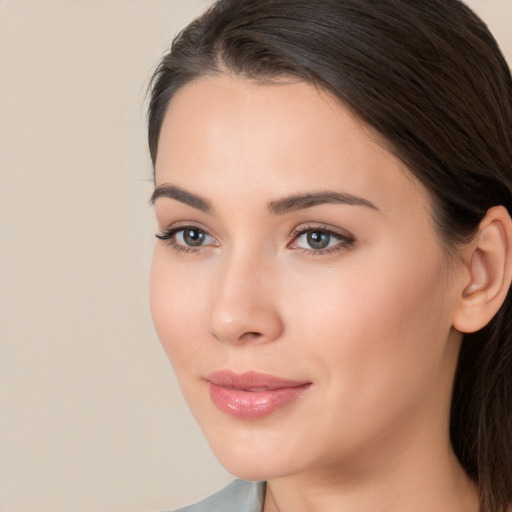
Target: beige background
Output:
[(90, 415)]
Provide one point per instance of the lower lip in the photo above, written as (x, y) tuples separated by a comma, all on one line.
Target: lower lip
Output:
[(251, 405)]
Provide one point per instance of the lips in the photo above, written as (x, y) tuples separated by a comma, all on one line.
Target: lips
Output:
[(250, 396)]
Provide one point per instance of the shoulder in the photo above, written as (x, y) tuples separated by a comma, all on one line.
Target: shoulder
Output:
[(238, 496)]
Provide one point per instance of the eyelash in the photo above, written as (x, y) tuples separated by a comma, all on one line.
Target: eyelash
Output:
[(169, 237), (345, 241)]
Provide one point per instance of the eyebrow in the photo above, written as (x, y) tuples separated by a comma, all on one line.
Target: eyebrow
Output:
[(302, 201), (278, 207), (173, 192)]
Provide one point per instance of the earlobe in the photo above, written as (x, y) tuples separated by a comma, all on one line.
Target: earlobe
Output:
[(490, 272)]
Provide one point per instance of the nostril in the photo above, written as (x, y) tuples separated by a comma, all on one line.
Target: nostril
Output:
[(247, 336)]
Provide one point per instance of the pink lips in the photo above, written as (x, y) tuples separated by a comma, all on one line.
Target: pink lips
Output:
[(251, 395)]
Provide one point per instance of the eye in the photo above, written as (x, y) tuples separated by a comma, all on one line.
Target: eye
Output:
[(186, 238), (316, 240), (192, 237)]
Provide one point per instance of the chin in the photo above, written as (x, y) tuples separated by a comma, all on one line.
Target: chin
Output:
[(252, 470), (251, 455)]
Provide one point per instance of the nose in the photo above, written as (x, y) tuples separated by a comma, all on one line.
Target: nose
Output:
[(244, 307)]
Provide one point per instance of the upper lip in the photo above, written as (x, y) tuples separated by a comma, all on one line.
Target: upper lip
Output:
[(252, 381)]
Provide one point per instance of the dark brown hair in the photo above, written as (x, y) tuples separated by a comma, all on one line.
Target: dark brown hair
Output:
[(431, 80)]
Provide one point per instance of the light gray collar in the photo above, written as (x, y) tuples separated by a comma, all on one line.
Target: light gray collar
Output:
[(238, 496)]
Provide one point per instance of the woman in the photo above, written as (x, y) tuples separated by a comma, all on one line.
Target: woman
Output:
[(332, 272)]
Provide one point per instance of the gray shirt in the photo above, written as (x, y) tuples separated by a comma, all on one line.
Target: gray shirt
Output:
[(238, 496)]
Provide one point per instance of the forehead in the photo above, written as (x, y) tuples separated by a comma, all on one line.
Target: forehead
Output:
[(230, 134)]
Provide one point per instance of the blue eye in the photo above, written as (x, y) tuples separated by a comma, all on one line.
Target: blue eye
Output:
[(186, 238), (320, 240), (192, 237)]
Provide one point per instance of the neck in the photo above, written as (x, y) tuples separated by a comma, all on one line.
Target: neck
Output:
[(434, 489)]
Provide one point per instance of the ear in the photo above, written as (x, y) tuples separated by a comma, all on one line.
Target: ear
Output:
[(489, 272)]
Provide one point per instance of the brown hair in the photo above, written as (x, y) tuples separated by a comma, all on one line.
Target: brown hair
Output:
[(430, 78)]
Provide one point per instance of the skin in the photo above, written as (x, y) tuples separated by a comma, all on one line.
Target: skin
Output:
[(369, 322)]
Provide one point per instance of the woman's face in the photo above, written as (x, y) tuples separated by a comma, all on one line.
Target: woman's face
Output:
[(301, 291)]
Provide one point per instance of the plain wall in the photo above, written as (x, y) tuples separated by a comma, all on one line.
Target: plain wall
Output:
[(91, 418)]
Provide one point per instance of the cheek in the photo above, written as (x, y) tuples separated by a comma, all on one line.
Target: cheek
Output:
[(178, 308), (376, 329)]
